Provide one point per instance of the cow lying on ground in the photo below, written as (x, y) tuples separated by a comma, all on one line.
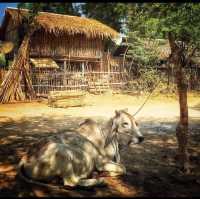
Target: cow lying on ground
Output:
[(75, 155)]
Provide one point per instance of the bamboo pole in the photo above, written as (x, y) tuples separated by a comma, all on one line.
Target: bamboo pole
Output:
[(8, 89)]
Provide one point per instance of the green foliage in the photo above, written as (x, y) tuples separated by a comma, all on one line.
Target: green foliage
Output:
[(2, 60), (28, 22), (158, 19), (112, 14), (138, 49), (146, 81), (59, 7), (150, 79), (29, 18), (110, 45)]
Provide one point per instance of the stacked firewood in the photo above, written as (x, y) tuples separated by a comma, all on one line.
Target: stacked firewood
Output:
[(10, 89)]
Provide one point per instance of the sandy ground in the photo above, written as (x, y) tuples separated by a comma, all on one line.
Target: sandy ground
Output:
[(104, 105), (151, 166)]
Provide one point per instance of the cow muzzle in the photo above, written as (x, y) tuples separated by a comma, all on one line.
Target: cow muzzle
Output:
[(136, 140)]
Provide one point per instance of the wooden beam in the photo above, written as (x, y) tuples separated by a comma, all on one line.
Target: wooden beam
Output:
[(77, 58)]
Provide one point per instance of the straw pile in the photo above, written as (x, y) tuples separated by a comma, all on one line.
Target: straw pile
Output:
[(10, 89), (64, 99)]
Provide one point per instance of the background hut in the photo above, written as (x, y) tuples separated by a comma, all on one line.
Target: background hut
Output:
[(66, 52)]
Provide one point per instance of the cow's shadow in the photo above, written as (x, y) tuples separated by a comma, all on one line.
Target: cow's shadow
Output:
[(151, 166)]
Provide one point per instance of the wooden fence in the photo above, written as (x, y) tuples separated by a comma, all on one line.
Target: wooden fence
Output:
[(97, 82), (45, 81)]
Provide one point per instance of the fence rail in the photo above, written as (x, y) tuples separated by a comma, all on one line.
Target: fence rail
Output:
[(45, 81)]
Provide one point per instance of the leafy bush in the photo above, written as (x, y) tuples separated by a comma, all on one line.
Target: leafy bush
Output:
[(2, 60), (140, 51), (146, 81), (149, 79), (146, 54)]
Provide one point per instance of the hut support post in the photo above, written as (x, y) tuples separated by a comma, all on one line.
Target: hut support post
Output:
[(101, 65), (108, 56), (65, 71), (83, 68)]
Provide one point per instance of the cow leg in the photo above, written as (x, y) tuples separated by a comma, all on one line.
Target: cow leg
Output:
[(112, 169), (91, 182), (112, 150), (69, 177), (71, 180)]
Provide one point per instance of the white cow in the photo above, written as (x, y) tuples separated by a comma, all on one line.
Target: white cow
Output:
[(75, 155)]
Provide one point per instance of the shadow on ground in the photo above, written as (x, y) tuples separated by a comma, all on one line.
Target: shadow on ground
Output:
[(151, 166), (196, 107)]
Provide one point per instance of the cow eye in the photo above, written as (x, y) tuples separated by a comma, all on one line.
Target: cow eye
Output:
[(136, 123), (125, 123)]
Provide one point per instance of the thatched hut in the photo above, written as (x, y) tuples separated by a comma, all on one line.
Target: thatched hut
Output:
[(66, 52)]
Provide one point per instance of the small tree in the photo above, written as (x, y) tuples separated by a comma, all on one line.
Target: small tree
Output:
[(143, 56), (140, 50), (180, 24), (2, 60)]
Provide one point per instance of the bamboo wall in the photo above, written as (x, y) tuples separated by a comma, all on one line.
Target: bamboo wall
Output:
[(49, 45)]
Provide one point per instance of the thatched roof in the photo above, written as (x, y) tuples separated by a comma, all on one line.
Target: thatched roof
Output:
[(57, 23)]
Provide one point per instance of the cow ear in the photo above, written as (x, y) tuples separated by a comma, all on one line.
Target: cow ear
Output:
[(117, 113)]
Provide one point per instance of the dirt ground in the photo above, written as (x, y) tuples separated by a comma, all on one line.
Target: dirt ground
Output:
[(151, 166)]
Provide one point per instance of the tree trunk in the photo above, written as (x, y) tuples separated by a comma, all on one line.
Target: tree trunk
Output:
[(178, 59), (168, 76), (182, 127)]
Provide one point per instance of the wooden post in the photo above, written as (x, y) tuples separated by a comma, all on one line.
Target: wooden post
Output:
[(179, 59), (101, 64), (108, 61), (82, 68), (65, 72), (182, 127), (108, 56)]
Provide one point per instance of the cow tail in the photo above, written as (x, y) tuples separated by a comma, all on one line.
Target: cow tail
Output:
[(25, 178)]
